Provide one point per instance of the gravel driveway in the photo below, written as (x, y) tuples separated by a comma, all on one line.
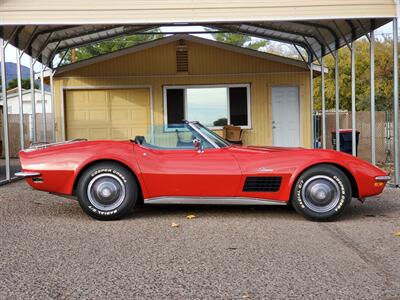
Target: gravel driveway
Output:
[(50, 249)]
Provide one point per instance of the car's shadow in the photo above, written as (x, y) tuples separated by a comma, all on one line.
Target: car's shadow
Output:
[(355, 211), (161, 210), (375, 208)]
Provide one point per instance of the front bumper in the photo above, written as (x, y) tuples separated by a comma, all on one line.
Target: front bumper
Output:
[(24, 174)]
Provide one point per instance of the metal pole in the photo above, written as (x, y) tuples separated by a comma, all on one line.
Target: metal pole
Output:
[(53, 124), (353, 98), (337, 100), (33, 112), (312, 103), (372, 79), (396, 101), (43, 103), (323, 103), (5, 109), (20, 100)]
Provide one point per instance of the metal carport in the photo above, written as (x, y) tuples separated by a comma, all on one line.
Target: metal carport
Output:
[(43, 29)]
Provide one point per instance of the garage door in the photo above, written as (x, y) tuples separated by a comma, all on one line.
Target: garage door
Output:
[(116, 114)]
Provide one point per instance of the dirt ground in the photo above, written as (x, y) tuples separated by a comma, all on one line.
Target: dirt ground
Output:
[(50, 249)]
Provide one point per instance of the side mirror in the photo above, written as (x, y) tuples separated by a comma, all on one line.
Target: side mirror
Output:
[(197, 145)]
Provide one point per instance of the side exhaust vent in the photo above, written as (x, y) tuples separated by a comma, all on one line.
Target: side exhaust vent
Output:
[(182, 59), (262, 184)]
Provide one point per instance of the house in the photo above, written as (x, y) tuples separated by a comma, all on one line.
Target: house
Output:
[(150, 87), (14, 118), (13, 101)]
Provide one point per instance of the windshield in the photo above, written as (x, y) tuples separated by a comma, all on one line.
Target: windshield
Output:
[(181, 137)]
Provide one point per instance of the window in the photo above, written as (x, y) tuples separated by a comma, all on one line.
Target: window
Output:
[(213, 106)]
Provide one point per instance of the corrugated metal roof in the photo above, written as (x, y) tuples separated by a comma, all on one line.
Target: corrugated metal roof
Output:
[(320, 37), (317, 37)]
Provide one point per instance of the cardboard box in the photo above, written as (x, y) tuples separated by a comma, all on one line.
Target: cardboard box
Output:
[(233, 133)]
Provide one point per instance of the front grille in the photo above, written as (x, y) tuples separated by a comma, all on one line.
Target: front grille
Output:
[(262, 184)]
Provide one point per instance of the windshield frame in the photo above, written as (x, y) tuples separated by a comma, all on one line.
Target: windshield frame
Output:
[(198, 127)]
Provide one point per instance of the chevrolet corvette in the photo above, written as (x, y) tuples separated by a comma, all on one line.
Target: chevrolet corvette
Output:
[(190, 164)]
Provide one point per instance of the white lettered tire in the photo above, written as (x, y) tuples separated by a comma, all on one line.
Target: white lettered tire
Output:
[(321, 193), (107, 191)]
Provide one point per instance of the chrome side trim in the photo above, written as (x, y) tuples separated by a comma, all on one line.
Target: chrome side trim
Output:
[(26, 174), (38, 146), (213, 201)]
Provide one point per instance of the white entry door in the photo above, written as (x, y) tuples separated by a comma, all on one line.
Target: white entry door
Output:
[(285, 116)]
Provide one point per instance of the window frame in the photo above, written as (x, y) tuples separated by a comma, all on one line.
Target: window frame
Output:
[(227, 86)]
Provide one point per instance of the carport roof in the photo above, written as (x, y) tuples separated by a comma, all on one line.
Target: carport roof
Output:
[(318, 38), (47, 27), (32, 12)]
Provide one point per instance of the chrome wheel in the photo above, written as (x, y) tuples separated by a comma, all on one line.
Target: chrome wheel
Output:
[(321, 193), (106, 191)]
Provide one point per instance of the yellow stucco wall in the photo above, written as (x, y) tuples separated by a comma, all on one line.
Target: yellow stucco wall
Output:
[(156, 67)]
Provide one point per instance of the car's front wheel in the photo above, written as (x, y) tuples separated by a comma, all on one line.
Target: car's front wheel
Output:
[(321, 193), (107, 191)]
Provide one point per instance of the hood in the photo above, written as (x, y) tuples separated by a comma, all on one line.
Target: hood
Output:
[(267, 148), (274, 148)]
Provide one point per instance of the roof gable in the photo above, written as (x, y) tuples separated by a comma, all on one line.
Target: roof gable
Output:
[(186, 37)]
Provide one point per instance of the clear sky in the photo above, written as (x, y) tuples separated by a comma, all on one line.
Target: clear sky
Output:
[(11, 52)]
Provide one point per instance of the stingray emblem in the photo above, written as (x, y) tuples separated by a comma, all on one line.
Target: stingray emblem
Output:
[(264, 170)]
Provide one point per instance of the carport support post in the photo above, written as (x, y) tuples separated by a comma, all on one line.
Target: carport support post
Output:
[(353, 98), (372, 79), (396, 101), (5, 108), (43, 104), (53, 124), (323, 103), (337, 120), (312, 103), (33, 112), (20, 100)]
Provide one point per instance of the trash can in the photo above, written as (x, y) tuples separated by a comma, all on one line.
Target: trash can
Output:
[(345, 136)]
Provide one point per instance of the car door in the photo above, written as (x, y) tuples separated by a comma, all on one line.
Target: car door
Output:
[(188, 172)]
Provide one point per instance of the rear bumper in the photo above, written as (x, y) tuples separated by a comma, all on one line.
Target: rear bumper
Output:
[(382, 178), (24, 174)]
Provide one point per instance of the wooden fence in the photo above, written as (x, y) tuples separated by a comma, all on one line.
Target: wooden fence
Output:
[(363, 123), (13, 129)]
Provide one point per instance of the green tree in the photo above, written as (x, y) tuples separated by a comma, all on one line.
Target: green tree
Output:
[(240, 40), (111, 45), (221, 122), (383, 77), (26, 84)]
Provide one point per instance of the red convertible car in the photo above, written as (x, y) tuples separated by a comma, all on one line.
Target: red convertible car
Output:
[(190, 164)]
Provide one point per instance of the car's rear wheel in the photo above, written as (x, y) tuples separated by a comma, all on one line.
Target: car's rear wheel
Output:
[(107, 191), (321, 193)]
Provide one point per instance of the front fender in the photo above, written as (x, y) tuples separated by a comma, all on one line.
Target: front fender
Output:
[(362, 172)]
